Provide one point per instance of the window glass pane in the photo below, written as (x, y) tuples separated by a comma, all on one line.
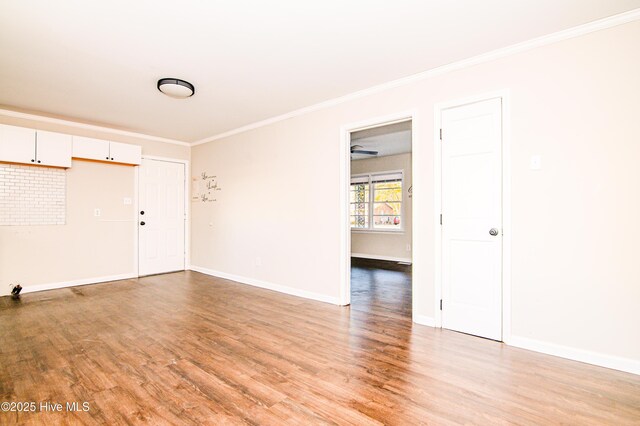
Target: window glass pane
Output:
[(388, 185), (386, 222), (359, 192), (359, 222), (361, 197), (388, 191), (387, 209), (359, 209), (388, 195)]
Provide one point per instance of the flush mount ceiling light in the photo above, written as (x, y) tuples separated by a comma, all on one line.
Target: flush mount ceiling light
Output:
[(176, 88)]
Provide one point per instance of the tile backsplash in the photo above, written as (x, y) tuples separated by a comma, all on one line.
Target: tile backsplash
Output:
[(32, 195)]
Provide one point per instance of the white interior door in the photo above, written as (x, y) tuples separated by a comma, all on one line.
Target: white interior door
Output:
[(161, 219), (472, 219)]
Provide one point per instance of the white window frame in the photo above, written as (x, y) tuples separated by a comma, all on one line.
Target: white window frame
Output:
[(370, 229)]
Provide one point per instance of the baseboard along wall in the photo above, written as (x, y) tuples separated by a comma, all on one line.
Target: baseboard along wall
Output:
[(268, 285)]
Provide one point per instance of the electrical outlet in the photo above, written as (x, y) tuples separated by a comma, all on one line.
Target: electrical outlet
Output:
[(97, 212), (258, 261), (126, 201)]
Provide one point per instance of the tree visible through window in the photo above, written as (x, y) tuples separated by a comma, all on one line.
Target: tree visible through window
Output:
[(376, 201)]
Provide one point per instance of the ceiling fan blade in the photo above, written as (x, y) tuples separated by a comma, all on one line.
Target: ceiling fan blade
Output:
[(364, 152)]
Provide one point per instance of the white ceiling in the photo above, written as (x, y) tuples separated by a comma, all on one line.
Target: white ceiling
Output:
[(392, 139), (98, 61)]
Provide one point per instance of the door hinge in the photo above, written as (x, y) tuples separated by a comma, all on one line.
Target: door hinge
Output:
[(440, 304), (440, 218), (440, 134)]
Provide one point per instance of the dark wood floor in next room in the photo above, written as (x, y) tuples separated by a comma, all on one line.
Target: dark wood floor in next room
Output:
[(186, 348), (381, 286)]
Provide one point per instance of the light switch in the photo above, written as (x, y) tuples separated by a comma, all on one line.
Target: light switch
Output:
[(535, 163), (97, 212), (126, 201)]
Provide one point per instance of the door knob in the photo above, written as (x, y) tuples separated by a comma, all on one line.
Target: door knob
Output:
[(493, 232), (142, 223)]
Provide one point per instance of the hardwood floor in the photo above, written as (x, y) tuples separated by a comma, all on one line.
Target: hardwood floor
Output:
[(381, 286), (186, 348)]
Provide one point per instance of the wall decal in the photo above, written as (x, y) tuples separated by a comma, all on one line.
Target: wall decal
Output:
[(204, 187)]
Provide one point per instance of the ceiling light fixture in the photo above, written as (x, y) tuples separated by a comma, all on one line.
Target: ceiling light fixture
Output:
[(176, 88)]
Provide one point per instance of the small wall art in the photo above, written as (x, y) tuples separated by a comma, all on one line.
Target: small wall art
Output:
[(204, 188)]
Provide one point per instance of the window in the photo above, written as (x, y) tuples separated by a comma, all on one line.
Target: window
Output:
[(376, 201), (359, 198)]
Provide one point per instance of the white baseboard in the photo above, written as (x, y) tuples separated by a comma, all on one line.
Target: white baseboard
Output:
[(269, 286), (378, 257), (424, 320), (84, 281), (599, 359)]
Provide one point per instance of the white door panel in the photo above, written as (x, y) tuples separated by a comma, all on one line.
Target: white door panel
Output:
[(162, 237), (471, 207)]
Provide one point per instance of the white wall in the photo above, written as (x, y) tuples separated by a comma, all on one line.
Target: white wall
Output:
[(575, 222), (85, 247), (386, 245)]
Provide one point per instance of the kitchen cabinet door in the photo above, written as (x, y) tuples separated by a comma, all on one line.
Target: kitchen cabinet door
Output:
[(17, 144), (53, 149)]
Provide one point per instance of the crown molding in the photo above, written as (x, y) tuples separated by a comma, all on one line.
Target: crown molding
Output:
[(76, 125), (601, 24)]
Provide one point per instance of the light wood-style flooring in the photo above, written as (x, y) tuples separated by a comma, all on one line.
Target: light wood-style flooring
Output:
[(186, 348)]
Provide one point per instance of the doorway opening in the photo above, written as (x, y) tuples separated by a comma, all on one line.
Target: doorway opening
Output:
[(380, 218)]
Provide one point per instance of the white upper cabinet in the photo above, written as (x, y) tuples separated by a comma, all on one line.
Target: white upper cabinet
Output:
[(125, 153), (28, 146), (91, 149), (17, 144), (53, 149), (37, 147), (97, 149)]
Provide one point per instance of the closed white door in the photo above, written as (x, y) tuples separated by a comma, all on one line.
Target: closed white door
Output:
[(161, 219), (472, 219)]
